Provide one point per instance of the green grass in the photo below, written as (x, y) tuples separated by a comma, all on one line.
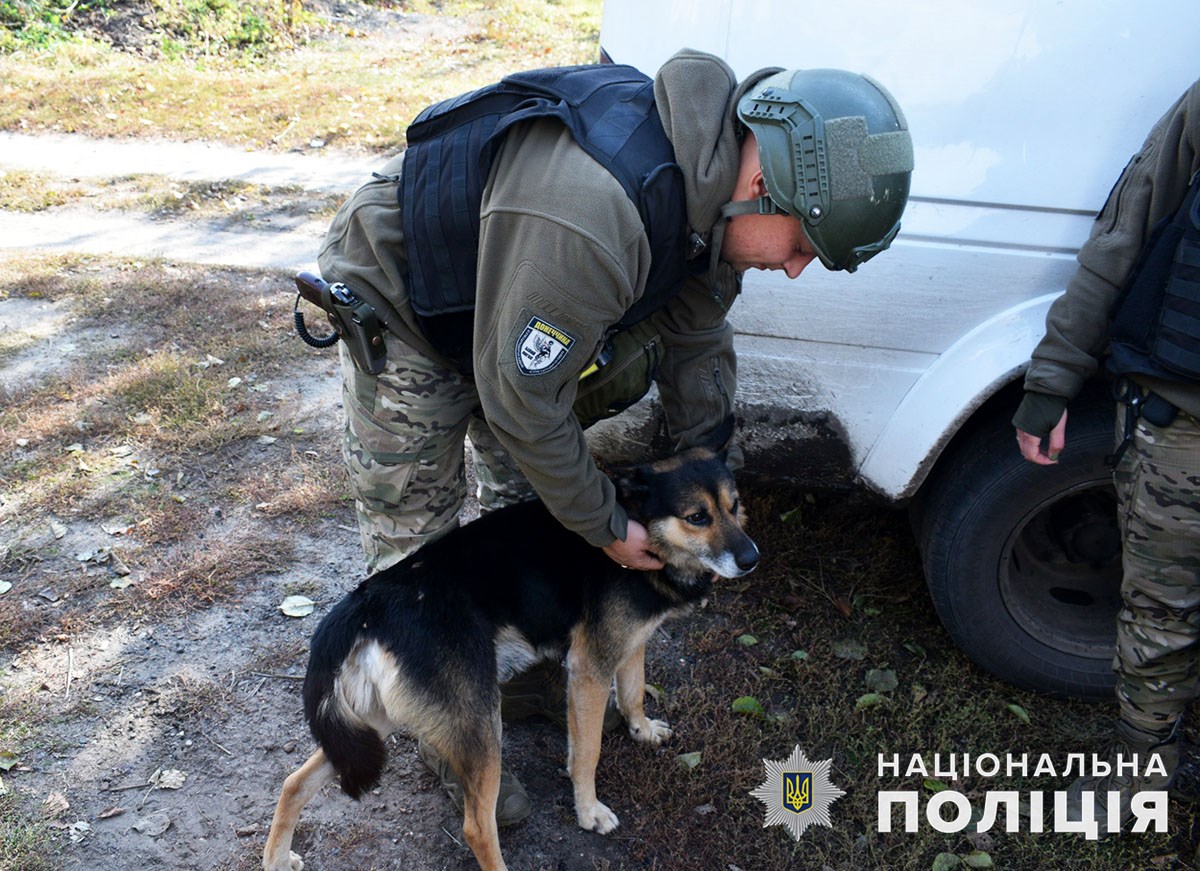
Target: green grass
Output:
[(25, 845)]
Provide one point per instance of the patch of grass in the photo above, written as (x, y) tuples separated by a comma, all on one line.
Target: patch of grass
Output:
[(24, 843), (239, 202), (154, 26), (319, 91), (143, 444), (303, 486), (22, 191), (840, 580), (190, 577)]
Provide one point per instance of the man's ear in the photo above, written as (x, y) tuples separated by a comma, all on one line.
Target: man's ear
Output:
[(758, 184)]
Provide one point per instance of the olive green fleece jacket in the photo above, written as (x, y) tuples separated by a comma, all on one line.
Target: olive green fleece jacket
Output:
[(561, 242), (1077, 326)]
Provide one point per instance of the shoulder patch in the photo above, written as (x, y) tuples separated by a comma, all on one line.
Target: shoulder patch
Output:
[(541, 346)]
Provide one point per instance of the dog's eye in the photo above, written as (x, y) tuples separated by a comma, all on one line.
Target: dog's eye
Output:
[(700, 518)]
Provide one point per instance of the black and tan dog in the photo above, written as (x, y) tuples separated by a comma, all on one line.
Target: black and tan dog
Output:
[(426, 644)]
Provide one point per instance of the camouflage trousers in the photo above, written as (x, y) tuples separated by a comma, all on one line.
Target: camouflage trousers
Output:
[(1158, 628), (406, 432)]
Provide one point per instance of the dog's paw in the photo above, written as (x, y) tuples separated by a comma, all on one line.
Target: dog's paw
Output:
[(597, 817), (293, 863), (652, 732)]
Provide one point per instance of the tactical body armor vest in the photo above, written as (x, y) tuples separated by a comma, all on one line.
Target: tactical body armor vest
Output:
[(1156, 318), (610, 112)]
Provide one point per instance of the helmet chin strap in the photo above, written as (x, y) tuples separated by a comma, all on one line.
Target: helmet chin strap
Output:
[(763, 205)]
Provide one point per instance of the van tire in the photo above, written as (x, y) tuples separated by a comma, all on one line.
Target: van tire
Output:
[(1023, 561)]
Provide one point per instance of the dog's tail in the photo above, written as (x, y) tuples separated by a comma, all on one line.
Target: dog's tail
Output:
[(351, 745)]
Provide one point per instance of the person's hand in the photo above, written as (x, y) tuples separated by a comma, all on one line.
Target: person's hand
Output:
[(1031, 445), (631, 553)]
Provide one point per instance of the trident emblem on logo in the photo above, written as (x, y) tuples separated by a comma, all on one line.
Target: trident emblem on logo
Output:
[(797, 791)]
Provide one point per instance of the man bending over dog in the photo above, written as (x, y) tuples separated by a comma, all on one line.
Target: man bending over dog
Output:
[(544, 233)]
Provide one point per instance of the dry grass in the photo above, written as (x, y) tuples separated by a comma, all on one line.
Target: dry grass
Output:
[(165, 417), (232, 202), (361, 91)]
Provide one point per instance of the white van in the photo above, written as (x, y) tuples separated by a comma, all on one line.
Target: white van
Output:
[(903, 377)]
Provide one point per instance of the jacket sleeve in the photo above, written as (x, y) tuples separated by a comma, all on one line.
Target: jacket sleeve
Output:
[(556, 268), (1150, 188), (698, 374)]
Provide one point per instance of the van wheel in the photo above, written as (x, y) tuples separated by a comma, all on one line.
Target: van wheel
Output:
[(1023, 561)]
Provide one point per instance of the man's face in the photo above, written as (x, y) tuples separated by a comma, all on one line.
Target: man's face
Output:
[(767, 242)]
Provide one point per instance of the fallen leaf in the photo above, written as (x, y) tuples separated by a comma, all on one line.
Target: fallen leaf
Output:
[(791, 602), (844, 607), (945, 861), (58, 530), (934, 785), (978, 859), (153, 825), (297, 606), (109, 812), (7, 760), (79, 830), (688, 761), (55, 805), (120, 582), (869, 700), (849, 650), (882, 680), (266, 440), (748, 705), (747, 640), (171, 778), (233, 382), (1020, 713), (795, 515), (799, 655), (5, 586)]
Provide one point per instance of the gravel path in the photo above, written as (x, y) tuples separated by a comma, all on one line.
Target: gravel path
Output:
[(292, 245)]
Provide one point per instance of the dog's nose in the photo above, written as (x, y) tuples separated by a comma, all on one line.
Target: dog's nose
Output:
[(747, 556)]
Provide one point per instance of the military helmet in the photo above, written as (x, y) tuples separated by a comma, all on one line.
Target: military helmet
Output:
[(836, 153)]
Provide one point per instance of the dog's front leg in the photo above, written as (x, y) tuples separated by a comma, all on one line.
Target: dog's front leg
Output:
[(631, 700), (587, 697)]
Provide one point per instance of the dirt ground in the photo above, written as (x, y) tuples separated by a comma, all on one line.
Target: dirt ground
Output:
[(157, 735), (118, 692)]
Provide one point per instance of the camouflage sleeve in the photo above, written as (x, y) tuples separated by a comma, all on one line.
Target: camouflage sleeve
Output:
[(555, 271), (1149, 189)]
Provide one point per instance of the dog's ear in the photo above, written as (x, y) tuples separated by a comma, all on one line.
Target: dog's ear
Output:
[(720, 440), (633, 485)]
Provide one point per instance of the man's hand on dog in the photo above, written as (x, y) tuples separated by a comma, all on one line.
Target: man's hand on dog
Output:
[(631, 553)]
